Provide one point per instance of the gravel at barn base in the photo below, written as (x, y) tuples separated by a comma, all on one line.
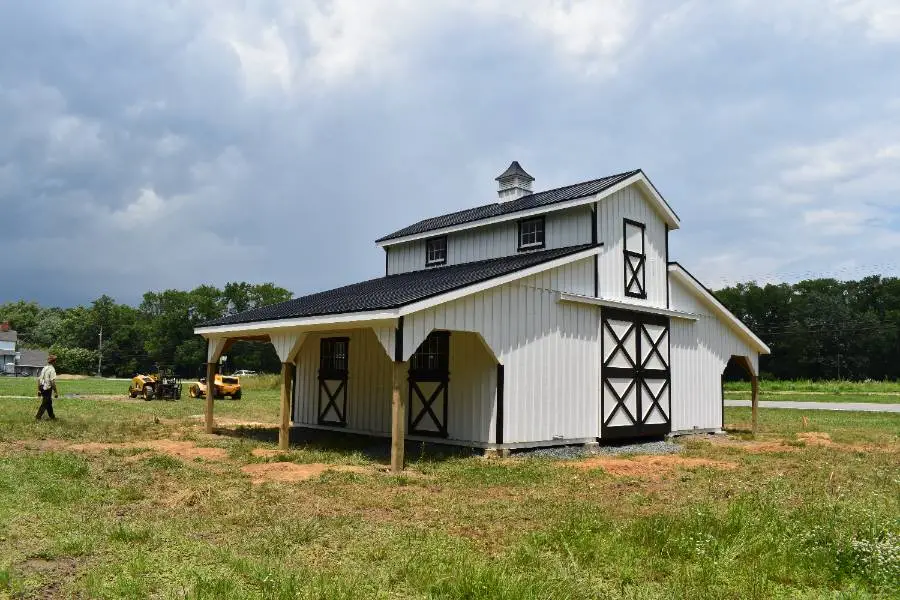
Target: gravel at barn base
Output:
[(574, 452)]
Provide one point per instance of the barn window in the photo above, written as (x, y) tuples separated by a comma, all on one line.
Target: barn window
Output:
[(333, 357), (433, 356), (531, 233), (635, 260), (436, 251)]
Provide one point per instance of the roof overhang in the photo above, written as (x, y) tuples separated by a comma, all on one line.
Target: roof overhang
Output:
[(675, 314), (372, 318), (691, 284), (641, 180)]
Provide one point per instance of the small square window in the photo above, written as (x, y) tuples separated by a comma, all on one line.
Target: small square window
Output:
[(436, 251), (531, 233)]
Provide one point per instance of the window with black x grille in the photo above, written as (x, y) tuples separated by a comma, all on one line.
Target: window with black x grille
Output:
[(635, 259), (334, 370), (429, 379)]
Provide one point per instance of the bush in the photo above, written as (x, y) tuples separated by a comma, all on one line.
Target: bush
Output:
[(77, 361)]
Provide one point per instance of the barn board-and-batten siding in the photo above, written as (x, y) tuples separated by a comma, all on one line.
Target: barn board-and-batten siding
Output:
[(630, 203), (700, 351), (549, 350), (472, 390), (562, 228)]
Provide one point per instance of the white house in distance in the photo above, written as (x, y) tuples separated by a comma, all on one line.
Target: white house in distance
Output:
[(539, 319), (15, 360)]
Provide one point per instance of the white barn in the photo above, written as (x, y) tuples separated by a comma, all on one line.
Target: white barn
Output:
[(543, 318)]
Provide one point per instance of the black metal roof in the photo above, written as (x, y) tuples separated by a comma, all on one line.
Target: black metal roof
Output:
[(514, 169), (398, 290), (536, 200)]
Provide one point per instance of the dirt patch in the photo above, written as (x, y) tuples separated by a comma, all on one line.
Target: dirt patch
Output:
[(177, 449), (288, 472), (65, 376), (804, 439), (647, 467), (235, 422), (764, 447), (56, 570), (266, 452), (815, 438)]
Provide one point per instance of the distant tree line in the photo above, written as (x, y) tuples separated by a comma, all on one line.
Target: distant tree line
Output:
[(823, 328), (817, 329), (159, 332)]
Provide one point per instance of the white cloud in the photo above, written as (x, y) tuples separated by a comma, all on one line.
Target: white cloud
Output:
[(829, 221), (143, 213), (878, 20)]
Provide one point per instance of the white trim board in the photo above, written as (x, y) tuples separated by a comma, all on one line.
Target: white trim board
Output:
[(675, 314), (692, 285), (658, 202), (366, 319)]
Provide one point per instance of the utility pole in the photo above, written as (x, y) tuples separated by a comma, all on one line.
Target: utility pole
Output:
[(100, 352)]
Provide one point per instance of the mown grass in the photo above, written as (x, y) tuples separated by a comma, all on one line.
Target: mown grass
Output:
[(806, 523), (815, 397), (27, 386), (837, 388)]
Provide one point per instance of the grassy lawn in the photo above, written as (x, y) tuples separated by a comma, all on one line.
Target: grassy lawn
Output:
[(27, 386), (808, 397), (792, 517), (833, 388)]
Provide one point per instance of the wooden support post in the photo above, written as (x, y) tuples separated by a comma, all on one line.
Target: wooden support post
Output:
[(754, 403), (284, 427), (398, 419), (210, 394)]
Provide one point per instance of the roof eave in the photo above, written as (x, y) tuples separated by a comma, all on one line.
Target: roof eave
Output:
[(736, 324)]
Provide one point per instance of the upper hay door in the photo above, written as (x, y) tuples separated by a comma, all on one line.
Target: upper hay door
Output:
[(633, 265)]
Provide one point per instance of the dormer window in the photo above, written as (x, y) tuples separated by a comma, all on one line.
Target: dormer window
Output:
[(436, 251), (531, 233)]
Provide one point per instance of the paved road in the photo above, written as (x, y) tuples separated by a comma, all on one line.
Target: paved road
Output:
[(863, 406)]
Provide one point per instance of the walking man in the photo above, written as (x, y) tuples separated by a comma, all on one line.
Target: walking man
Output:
[(47, 389)]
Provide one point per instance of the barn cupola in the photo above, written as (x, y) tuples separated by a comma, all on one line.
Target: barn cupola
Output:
[(514, 183)]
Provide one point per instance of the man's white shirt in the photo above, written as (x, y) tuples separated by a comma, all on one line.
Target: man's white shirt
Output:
[(47, 377)]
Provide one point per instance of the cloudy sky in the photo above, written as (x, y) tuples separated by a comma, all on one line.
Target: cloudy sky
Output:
[(149, 144)]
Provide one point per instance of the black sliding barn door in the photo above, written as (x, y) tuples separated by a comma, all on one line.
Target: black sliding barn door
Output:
[(429, 379), (635, 376), (334, 363)]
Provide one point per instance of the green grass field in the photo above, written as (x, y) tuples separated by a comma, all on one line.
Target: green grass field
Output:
[(798, 520), (878, 392), (27, 386), (836, 388)]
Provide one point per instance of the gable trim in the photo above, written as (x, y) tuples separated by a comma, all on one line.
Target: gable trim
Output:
[(694, 286), (650, 192)]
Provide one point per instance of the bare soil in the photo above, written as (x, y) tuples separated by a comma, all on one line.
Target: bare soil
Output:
[(288, 472), (807, 438), (58, 570), (235, 422), (647, 467), (174, 448)]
